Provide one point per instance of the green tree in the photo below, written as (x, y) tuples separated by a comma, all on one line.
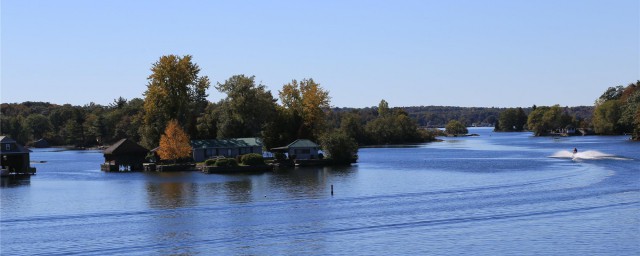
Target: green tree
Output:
[(247, 108), (94, 127), (606, 116), (58, 118), (124, 119), (535, 121), (380, 131), (521, 119), (282, 129), (508, 120), (544, 120), (38, 125), (71, 133), (455, 127), (339, 147), (636, 130), (630, 104), (383, 108), (15, 127), (612, 93), (174, 91), (552, 117), (616, 110), (406, 129), (351, 125), (394, 127), (208, 122)]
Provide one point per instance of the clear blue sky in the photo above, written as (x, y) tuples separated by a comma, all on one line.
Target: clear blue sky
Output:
[(456, 53)]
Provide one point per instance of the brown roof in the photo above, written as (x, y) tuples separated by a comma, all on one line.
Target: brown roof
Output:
[(125, 146)]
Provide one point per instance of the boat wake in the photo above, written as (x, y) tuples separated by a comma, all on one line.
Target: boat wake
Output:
[(586, 155)]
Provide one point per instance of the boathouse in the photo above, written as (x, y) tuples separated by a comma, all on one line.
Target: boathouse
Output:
[(14, 158), (205, 149), (124, 155), (301, 149), (41, 143)]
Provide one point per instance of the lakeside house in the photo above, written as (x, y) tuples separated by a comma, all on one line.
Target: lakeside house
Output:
[(205, 149), (14, 158), (300, 149), (124, 154)]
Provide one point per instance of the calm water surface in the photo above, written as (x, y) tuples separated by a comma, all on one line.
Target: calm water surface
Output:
[(499, 193)]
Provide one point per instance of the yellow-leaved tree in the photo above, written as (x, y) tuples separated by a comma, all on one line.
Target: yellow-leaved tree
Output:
[(306, 102), (174, 143)]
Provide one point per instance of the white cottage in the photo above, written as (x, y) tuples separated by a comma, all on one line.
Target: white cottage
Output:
[(301, 149)]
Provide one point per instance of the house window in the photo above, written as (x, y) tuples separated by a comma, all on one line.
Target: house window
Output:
[(7, 146), (306, 151)]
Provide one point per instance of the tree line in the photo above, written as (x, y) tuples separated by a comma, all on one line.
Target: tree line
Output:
[(615, 112), (439, 116), (301, 109), (177, 91)]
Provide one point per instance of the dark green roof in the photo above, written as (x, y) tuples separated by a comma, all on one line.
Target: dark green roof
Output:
[(227, 143), (299, 143), (5, 139), (16, 149)]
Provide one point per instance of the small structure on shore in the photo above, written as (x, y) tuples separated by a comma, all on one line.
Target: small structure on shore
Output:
[(14, 158), (124, 155), (41, 143), (301, 149), (205, 149)]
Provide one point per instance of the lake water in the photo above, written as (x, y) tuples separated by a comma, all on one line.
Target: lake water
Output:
[(496, 194)]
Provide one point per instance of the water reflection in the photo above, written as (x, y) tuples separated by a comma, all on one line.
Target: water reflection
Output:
[(171, 195), (396, 146), (8, 182), (239, 191), (309, 181)]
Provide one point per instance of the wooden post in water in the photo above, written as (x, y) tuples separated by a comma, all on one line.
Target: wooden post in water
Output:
[(331, 189)]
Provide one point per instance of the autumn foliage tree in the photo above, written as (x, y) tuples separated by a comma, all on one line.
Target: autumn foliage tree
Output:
[(174, 91), (174, 143), (307, 102)]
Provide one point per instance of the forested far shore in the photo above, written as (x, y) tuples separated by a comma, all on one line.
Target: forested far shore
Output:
[(176, 91), (439, 116)]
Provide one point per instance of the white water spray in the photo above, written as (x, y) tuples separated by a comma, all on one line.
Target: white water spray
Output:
[(586, 155)]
